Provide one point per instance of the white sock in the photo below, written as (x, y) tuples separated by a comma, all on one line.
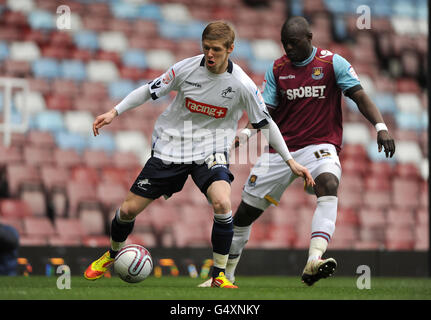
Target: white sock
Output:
[(317, 248), (240, 239), (220, 260), (322, 226)]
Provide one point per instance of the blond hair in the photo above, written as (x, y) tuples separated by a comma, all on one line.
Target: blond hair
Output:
[(219, 30)]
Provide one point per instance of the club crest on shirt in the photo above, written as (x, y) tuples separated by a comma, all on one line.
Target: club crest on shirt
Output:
[(252, 180), (226, 93), (317, 73)]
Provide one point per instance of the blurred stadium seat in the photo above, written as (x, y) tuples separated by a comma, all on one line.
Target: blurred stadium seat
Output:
[(116, 46)]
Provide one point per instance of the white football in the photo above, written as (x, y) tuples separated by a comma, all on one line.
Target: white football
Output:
[(133, 263)]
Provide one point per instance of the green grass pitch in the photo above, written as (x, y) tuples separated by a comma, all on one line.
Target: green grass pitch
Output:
[(185, 288)]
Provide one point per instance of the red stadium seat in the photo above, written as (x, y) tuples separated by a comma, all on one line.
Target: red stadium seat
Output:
[(89, 103), (14, 68), (59, 102), (377, 199), (352, 182), (400, 217), (280, 236), (92, 220), (108, 56), (347, 216), (55, 52), (15, 19), (10, 155), (78, 193), (345, 233), (42, 139), (58, 201), (81, 54), (126, 160), (37, 156), (115, 175), (405, 193), (66, 87), (399, 238), (282, 215), (34, 195), (85, 174), (97, 159), (67, 158), (14, 208), (354, 166), (43, 86), (421, 237), (348, 198), (96, 90), (407, 171), (371, 217), (131, 73), (380, 169), (63, 39), (18, 175), (377, 183), (38, 227), (69, 228), (53, 176), (38, 36), (111, 195)]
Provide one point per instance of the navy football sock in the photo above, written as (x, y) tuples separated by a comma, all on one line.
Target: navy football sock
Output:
[(221, 239), (120, 230)]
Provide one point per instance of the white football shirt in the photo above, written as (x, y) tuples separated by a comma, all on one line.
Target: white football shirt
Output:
[(203, 117)]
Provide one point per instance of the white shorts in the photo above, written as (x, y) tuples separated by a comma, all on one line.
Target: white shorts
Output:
[(270, 176)]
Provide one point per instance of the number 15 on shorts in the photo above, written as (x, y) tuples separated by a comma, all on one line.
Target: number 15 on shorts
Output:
[(322, 153)]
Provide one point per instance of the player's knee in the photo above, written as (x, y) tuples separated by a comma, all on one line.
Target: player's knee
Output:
[(326, 184), (221, 204), (246, 215)]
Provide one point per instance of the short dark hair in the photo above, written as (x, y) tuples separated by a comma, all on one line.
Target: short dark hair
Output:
[(299, 23)]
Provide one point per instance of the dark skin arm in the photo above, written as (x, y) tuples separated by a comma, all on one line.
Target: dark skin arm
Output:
[(372, 114)]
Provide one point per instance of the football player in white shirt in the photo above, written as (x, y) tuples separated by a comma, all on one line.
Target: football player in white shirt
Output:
[(193, 136)]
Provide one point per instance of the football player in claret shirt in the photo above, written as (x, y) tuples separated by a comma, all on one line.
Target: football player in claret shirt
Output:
[(302, 91), (193, 137)]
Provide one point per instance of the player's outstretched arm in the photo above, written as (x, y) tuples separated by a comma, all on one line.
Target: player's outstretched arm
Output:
[(132, 100), (103, 120), (275, 139), (372, 114)]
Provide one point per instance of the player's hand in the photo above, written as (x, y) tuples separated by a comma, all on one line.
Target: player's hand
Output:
[(240, 139), (301, 171), (384, 140), (103, 119)]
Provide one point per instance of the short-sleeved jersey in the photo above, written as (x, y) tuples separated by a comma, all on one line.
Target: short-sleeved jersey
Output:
[(203, 117), (305, 97)]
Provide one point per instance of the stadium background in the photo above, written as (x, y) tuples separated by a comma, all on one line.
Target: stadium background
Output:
[(60, 185)]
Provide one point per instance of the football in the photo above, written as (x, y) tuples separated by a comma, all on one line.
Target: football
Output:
[(133, 263)]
